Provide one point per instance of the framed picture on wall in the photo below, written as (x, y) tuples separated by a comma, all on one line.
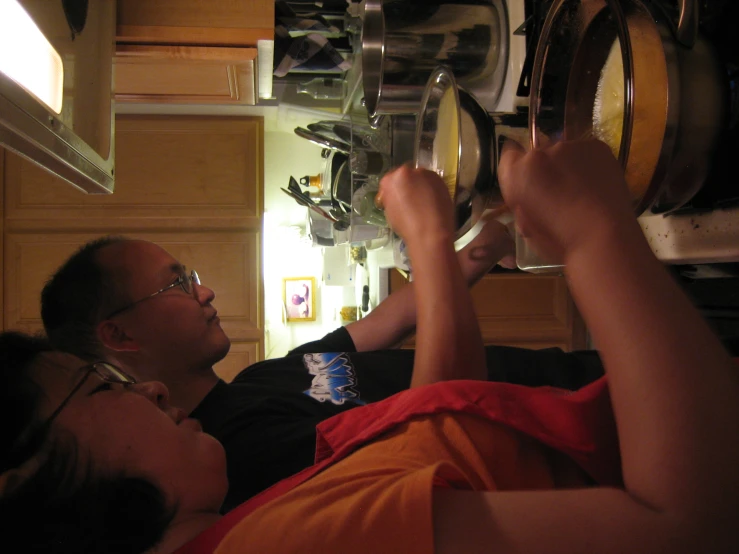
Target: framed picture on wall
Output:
[(299, 298)]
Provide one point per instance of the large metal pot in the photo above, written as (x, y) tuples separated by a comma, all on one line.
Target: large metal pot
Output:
[(403, 41), (674, 93)]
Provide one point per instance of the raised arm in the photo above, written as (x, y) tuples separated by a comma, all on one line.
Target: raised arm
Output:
[(394, 319), (449, 344), (675, 392)]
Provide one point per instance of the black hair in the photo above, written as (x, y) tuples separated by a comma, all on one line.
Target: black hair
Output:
[(77, 297), (64, 504)]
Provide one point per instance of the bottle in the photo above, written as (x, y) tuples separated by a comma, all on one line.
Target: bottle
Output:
[(323, 89), (365, 299)]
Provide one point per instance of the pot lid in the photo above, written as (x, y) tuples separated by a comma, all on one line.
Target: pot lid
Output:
[(438, 141), (445, 122), (437, 145), (582, 79)]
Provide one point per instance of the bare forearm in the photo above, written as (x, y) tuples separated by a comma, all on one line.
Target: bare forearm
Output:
[(394, 319), (673, 386), (388, 324), (448, 336)]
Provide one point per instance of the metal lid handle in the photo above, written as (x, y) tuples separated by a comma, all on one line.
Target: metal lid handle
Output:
[(687, 25)]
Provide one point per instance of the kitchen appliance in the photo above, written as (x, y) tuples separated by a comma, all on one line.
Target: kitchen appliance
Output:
[(76, 139)]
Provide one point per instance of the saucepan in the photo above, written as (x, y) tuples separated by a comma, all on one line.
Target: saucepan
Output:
[(403, 41), (650, 87)]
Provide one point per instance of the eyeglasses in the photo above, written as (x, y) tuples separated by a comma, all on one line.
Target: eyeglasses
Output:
[(186, 281), (107, 372)]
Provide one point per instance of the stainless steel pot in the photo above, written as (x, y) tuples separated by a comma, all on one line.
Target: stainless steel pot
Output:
[(674, 93), (403, 41)]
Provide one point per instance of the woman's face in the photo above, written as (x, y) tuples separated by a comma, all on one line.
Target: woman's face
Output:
[(132, 429)]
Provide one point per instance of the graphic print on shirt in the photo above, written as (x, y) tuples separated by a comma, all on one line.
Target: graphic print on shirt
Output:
[(334, 378)]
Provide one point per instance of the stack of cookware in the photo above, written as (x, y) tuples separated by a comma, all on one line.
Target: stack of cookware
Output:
[(669, 100)]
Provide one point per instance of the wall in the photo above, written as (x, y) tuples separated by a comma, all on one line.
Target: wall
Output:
[(287, 250)]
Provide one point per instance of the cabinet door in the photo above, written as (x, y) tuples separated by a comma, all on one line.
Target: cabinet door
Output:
[(227, 262), (172, 172), (183, 22), (523, 310), (185, 74), (190, 184), (530, 311)]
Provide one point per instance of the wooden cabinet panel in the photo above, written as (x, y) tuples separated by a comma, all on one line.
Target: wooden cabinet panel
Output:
[(30, 261), (190, 184), (171, 171), (511, 307), (190, 51), (523, 310), (191, 75), (195, 21), (226, 262), (241, 355)]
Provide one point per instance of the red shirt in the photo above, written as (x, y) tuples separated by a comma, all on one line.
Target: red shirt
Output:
[(578, 424)]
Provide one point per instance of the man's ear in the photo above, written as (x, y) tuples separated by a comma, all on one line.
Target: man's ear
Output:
[(114, 336)]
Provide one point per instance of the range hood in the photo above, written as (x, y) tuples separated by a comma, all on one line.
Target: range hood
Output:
[(72, 138)]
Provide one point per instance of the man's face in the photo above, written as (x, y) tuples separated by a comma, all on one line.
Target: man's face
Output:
[(179, 331)]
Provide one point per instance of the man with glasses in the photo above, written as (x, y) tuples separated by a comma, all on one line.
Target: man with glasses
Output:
[(129, 302)]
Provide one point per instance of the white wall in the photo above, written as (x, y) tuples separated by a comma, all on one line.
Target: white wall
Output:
[(287, 251)]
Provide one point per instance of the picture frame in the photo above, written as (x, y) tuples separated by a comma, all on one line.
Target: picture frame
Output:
[(299, 298)]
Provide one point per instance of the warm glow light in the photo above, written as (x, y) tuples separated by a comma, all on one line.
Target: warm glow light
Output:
[(27, 57)]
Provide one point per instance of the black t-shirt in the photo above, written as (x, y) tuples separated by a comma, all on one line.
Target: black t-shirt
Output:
[(266, 417)]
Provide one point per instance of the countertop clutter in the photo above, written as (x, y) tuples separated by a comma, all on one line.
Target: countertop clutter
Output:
[(693, 221), (689, 212)]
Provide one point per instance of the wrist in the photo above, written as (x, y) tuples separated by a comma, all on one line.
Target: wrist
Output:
[(429, 242), (606, 242)]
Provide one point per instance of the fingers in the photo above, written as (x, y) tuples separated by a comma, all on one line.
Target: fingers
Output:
[(511, 154), (492, 243), (509, 262), (387, 181)]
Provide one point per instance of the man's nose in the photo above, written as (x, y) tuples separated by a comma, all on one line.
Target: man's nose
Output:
[(203, 294)]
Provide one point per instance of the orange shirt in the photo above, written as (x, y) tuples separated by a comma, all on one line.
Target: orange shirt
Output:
[(376, 466), (378, 499)]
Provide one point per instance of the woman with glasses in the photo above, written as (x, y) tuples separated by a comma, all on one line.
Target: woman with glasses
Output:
[(94, 462)]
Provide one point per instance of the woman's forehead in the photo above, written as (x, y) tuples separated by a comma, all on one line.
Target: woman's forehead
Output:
[(56, 371)]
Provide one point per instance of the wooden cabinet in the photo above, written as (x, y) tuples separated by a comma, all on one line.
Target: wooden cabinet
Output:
[(202, 22), (190, 51), (191, 184), (186, 74), (524, 310)]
